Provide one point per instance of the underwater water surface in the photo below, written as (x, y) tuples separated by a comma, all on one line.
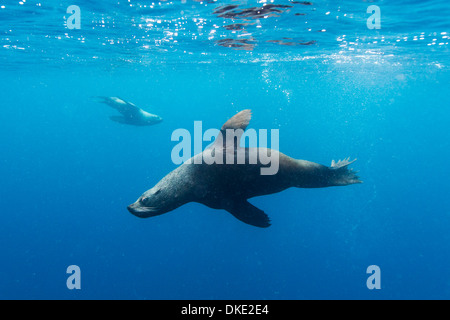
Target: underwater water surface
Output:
[(332, 86)]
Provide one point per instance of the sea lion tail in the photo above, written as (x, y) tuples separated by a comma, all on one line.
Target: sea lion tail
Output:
[(341, 175)]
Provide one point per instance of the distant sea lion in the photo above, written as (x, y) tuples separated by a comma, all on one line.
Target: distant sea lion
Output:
[(228, 186), (131, 114)]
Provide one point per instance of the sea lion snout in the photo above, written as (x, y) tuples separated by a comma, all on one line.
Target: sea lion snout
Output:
[(137, 210), (158, 119), (143, 210)]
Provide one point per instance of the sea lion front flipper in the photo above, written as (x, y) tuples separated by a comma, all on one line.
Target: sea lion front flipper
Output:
[(239, 121), (119, 119), (131, 107), (248, 213), (236, 125)]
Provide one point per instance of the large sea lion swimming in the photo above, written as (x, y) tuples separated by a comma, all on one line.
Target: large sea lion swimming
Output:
[(228, 186), (131, 114)]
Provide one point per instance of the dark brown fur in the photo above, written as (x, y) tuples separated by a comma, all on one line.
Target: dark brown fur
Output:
[(228, 186)]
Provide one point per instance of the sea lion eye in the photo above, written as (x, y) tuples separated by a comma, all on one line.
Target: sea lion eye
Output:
[(157, 191)]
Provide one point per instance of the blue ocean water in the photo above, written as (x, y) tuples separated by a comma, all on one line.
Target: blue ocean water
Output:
[(314, 70)]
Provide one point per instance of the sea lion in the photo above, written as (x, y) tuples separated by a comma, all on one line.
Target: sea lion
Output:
[(131, 114), (228, 186)]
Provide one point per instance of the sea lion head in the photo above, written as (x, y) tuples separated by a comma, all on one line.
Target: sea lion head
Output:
[(167, 195), (151, 118), (152, 203), (154, 119)]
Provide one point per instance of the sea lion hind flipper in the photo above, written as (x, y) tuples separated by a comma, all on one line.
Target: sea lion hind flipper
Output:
[(248, 213), (341, 175), (341, 163)]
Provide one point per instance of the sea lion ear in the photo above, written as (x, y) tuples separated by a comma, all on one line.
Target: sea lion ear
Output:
[(238, 121)]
